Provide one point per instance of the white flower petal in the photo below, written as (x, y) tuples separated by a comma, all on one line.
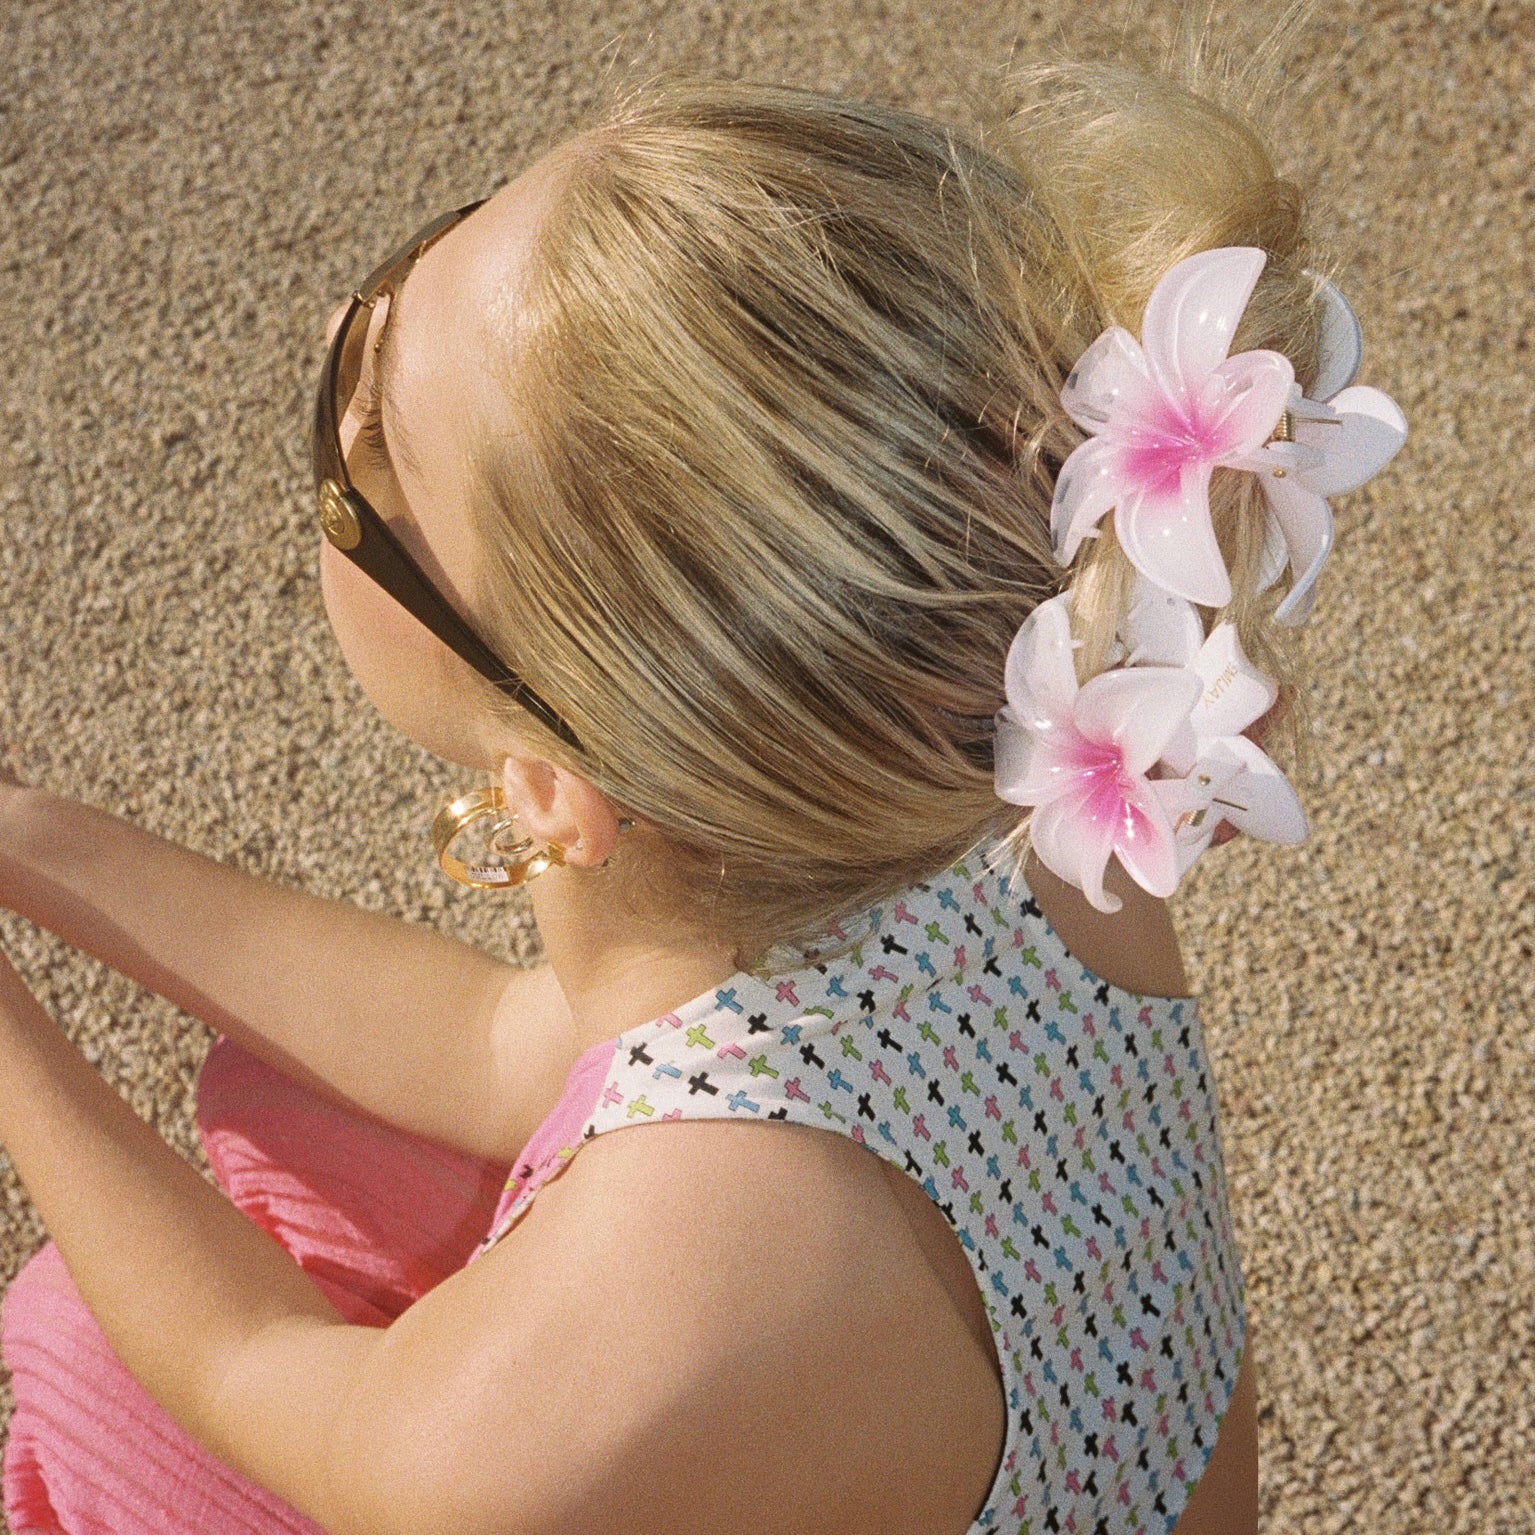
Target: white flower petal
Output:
[(1111, 378), (1258, 387), (1161, 629), (1040, 677), (1088, 485), (1342, 343), (1144, 843), (1263, 802), (1027, 760), (1138, 708), (1305, 520), (1075, 845), (1276, 553), (1170, 539), (1366, 436), (1235, 692), (1193, 313)]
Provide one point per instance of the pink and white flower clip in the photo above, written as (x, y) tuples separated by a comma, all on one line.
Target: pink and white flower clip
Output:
[(1145, 760)]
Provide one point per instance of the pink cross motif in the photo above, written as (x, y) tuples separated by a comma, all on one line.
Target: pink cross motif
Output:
[(1080, 1138), (901, 913), (919, 1124), (1047, 1199), (959, 957), (732, 1049), (786, 993), (1105, 1184), (1055, 1089), (949, 1058), (792, 1089), (1138, 1338), (1168, 1069), (610, 1094), (1024, 1160), (1164, 1424), (836, 930), (1093, 1250), (672, 1019), (1050, 979), (1076, 1360), (1111, 1449), (672, 1114), (1032, 1270), (1116, 1076), (1087, 1025), (957, 1180), (1156, 1272), (900, 1011), (1124, 1494), (880, 973), (1073, 1482), (857, 1134), (993, 1109), (1015, 1042), (878, 1072), (1144, 1016), (991, 1226), (977, 995)]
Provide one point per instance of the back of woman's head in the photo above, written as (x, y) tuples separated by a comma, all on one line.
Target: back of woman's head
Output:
[(786, 378)]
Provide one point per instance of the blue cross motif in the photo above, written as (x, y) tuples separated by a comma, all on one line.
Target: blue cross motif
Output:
[(924, 964), (834, 986), (993, 1166), (947, 899), (727, 998), (1016, 986), (956, 1118), (936, 1004), (885, 1130), (931, 1187), (966, 1238), (983, 1049), (834, 1078), (914, 1064), (738, 1100), (666, 1069), (1053, 1031), (791, 1033), (998, 1283)]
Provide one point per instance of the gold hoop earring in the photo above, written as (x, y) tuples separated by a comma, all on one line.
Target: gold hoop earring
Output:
[(523, 862)]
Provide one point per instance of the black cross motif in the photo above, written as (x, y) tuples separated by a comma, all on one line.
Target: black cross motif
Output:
[(1079, 1283), (1072, 1058), (866, 1001), (991, 967), (1124, 1375), (1115, 1154), (637, 1053), (1005, 1074), (1098, 1107), (1039, 1122), (971, 925), (1032, 1010), (1007, 1191), (889, 944), (914, 1166), (1099, 1218), (1155, 1198), (757, 1023), (864, 1110), (1060, 1169), (1127, 1415), (1032, 908), (1040, 1239), (934, 1092), (888, 1040), (974, 1143), (700, 1082), (1101, 996), (780, 1113), (965, 1026), (1149, 1307), (809, 1057)]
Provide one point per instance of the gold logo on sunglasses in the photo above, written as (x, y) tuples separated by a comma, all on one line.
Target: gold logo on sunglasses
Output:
[(337, 517)]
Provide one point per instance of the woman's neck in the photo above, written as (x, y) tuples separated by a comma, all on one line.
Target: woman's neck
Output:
[(615, 976)]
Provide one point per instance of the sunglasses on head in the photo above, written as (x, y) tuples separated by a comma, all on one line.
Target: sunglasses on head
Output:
[(354, 527)]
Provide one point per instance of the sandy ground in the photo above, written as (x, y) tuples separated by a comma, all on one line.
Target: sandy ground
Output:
[(189, 189)]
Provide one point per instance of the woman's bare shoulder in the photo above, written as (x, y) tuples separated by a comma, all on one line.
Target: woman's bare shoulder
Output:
[(772, 1281)]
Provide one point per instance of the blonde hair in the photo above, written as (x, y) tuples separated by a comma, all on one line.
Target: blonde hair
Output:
[(786, 382)]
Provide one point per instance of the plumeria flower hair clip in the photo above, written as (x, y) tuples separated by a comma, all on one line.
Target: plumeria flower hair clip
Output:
[(1144, 761)]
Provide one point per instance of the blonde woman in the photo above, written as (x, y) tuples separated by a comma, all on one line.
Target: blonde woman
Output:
[(694, 487)]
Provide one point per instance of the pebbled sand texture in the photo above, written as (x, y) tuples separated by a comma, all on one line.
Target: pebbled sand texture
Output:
[(188, 190)]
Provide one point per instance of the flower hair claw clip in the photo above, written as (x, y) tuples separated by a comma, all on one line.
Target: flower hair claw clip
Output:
[(1144, 761), (1163, 412)]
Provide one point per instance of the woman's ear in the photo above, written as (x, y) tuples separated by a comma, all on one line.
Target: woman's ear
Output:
[(553, 804)]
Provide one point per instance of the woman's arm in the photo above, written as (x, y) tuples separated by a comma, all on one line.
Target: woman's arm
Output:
[(425, 1032)]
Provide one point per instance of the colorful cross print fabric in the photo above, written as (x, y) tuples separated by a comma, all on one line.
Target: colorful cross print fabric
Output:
[(1066, 1128)]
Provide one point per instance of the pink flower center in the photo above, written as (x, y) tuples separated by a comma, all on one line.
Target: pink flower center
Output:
[(1159, 446), (1101, 781)]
